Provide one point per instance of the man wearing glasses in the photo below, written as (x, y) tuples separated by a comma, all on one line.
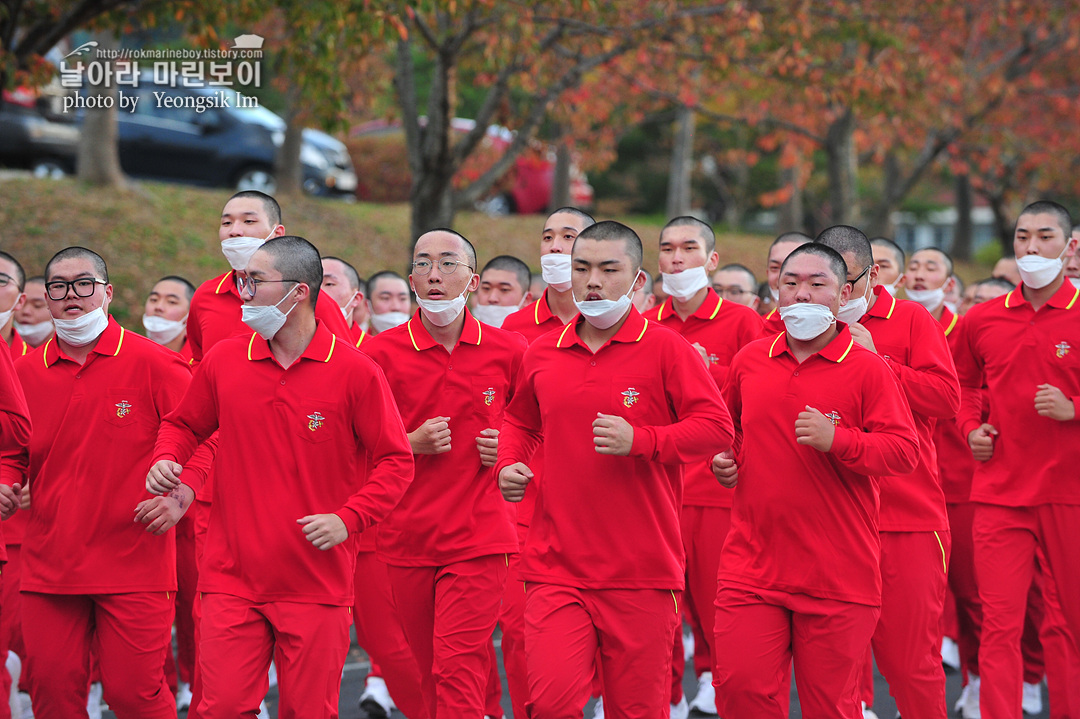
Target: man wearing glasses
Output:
[(90, 575), (311, 452), (737, 283), (717, 328), (448, 542)]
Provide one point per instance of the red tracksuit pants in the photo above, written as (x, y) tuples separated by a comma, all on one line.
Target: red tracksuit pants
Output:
[(448, 614), (129, 634), (759, 632), (512, 622), (308, 642)]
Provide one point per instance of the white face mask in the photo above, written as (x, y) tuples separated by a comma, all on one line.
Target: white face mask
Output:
[(775, 295), (84, 329), (495, 315), (952, 307), (891, 289), (347, 311), (930, 299), (388, 320), (442, 312), (1037, 272), (1075, 283), (5, 316), (555, 268), (805, 321), (855, 309), (685, 284), (238, 250), (602, 314), (161, 330), (35, 334), (267, 320)]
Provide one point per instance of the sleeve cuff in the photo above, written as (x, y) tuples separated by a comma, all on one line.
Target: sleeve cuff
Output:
[(842, 441), (967, 427), (644, 444), (1076, 408), (351, 519)]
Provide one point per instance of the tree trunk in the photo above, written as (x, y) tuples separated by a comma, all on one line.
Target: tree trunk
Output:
[(840, 150), (963, 234), (880, 224), (98, 160), (431, 203), (791, 212), (682, 163), (1002, 223), (560, 183)]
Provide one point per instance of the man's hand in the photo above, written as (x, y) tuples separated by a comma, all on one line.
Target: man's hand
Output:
[(814, 429), (512, 481), (163, 477), (1051, 402), (862, 336), (981, 441), (24, 497), (10, 499), (324, 530), (488, 444), (724, 469), (612, 434), (432, 437), (703, 352), (160, 514)]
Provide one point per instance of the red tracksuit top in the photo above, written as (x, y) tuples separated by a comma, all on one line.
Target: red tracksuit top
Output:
[(604, 521), (955, 463), (322, 436), (94, 432), (1010, 349), (914, 347), (453, 511), (15, 433), (806, 521), (722, 328)]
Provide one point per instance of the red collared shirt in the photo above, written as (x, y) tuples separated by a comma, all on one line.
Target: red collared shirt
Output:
[(772, 324), (453, 510), (955, 463), (1009, 348), (603, 521), (15, 433), (914, 346), (807, 521), (318, 437), (216, 312), (18, 345), (533, 321), (722, 328), (94, 431)]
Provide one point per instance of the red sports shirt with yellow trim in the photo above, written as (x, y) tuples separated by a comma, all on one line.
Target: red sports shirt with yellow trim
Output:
[(321, 436), (17, 346), (722, 328), (94, 430), (453, 510), (1010, 349), (806, 521), (603, 521), (955, 463), (15, 431)]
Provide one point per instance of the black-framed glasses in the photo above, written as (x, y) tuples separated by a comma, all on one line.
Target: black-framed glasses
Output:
[(446, 267), (84, 287), (250, 284), (859, 276)]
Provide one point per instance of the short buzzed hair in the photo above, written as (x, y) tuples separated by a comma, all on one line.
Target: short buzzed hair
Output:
[(509, 263), (76, 252), (610, 230), (351, 275), (384, 275), (736, 267), (704, 229), (1047, 207), (901, 258), (847, 239), (20, 274), (999, 282), (270, 205), (297, 260), (580, 214), (798, 237), (834, 258), (943, 253), (189, 289), (470, 251)]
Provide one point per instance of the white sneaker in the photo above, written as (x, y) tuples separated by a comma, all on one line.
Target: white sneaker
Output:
[(680, 710), (688, 646), (26, 708), (598, 709), (271, 675), (867, 712), (1032, 702), (375, 700), (264, 711), (705, 699), (93, 701), (950, 654), (14, 668), (183, 696), (968, 706)]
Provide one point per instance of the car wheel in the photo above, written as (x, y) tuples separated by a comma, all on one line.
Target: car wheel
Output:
[(313, 188), (48, 168), (497, 206), (257, 178)]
